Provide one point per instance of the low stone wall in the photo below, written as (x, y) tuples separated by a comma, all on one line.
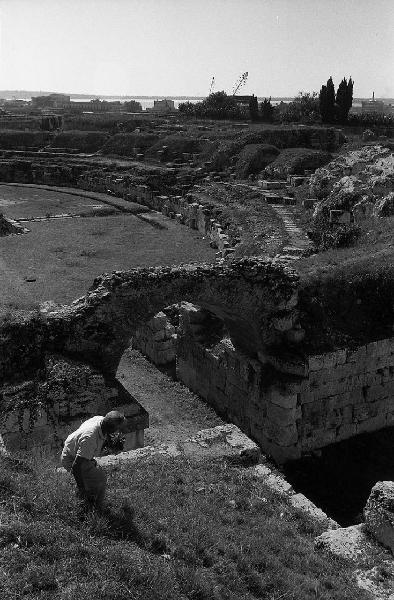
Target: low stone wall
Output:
[(196, 215), (290, 407), (185, 209)]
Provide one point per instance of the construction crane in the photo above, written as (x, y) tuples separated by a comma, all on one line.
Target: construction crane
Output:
[(240, 82), (212, 85)]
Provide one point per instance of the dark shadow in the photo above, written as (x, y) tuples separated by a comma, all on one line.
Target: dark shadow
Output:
[(117, 523), (340, 480)]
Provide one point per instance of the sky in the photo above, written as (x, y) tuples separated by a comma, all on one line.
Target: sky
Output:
[(175, 47)]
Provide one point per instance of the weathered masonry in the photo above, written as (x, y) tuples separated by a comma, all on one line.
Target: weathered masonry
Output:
[(240, 338), (327, 398)]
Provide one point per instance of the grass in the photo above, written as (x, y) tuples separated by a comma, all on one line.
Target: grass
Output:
[(201, 531), (25, 202), (66, 255)]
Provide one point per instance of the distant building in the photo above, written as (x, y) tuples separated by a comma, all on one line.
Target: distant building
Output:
[(243, 103), (96, 105), (163, 106), (51, 101), (376, 107)]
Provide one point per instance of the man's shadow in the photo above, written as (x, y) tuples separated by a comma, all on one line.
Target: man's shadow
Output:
[(121, 526)]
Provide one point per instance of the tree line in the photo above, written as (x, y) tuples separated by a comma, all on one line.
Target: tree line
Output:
[(328, 106)]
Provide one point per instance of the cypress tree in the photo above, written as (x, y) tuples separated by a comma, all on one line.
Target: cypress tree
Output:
[(341, 101), (327, 102), (344, 99), (330, 95), (323, 103), (349, 96)]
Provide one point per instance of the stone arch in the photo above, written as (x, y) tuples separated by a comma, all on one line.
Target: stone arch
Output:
[(255, 298), (251, 296)]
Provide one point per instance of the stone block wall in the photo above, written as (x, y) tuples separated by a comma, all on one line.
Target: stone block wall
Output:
[(290, 407), (347, 392), (156, 339)]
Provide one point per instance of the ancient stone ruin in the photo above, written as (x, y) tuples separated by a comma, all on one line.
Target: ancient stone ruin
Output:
[(239, 335)]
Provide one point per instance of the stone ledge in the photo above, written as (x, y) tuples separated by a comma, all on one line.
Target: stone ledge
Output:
[(354, 544), (220, 441)]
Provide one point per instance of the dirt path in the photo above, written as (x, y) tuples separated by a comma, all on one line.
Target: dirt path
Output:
[(175, 413)]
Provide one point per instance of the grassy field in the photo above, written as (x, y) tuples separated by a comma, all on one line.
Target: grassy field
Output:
[(201, 531), (61, 257), (25, 203)]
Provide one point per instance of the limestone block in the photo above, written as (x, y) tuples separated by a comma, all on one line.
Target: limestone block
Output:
[(302, 503), (341, 401), (347, 414), (380, 347), (377, 392), (346, 430), (133, 440), (379, 513), (327, 361), (278, 484), (281, 435), (274, 481), (262, 471), (334, 418), (369, 379), (363, 411), (350, 543), (281, 398), (246, 447), (319, 439), (356, 355), (372, 424), (290, 365), (308, 396), (280, 454), (282, 416)]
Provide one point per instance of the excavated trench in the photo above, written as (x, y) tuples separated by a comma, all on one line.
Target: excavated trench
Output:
[(339, 478)]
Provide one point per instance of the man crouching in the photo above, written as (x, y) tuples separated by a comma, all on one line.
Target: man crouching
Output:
[(79, 451)]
